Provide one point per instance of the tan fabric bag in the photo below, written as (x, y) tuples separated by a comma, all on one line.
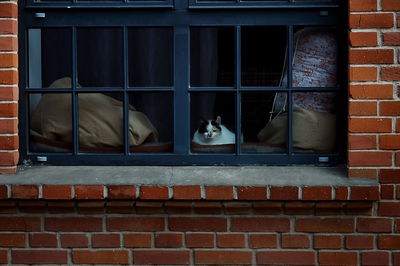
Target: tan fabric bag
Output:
[(312, 130), (100, 119)]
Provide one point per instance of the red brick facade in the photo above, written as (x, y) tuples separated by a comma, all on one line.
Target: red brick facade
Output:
[(292, 225)]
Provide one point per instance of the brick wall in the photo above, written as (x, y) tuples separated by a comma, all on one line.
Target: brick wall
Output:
[(8, 87), (374, 74)]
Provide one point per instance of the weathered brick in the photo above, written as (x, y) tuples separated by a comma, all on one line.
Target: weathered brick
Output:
[(106, 241), (391, 38), (219, 192), (161, 257), (100, 257), (333, 225), (362, 142), (363, 5), (137, 240), (39, 256), (135, 224), (199, 240), (317, 193), (187, 192), (169, 240), (205, 224), (389, 209), (57, 192), (25, 191), (26, 224), (364, 193), (363, 74), (389, 176), (231, 240), (360, 242), (370, 125), (154, 192), (295, 241), (370, 20), (368, 158), (357, 108), (74, 224), (375, 258), (361, 39), (89, 192), (390, 5), (327, 241), (252, 193), (121, 192), (338, 258), (284, 193), (263, 241), (222, 257), (43, 240), (74, 241), (371, 91), (12, 240), (286, 257), (254, 224), (389, 242)]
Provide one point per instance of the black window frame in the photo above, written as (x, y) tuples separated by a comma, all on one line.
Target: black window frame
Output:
[(181, 15)]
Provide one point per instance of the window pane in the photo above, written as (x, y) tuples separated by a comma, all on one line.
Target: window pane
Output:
[(50, 122), (150, 57), (263, 55), (208, 133), (151, 122), (47, 64), (100, 53), (101, 127), (314, 122), (263, 131), (212, 56), (315, 57)]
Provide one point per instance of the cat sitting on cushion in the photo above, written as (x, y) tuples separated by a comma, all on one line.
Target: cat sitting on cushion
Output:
[(211, 132)]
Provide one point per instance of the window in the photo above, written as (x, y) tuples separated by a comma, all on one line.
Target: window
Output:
[(184, 82)]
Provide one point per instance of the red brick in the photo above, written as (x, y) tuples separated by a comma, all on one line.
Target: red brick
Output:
[(397, 160), (231, 240), (263, 241), (9, 93), (39, 256), (364, 193), (74, 224), (396, 256), (390, 108), (121, 192), (357, 108), (389, 241), (61, 207), (178, 207), (9, 158), (222, 257), (26, 224), (135, 224), (390, 73), (327, 242), (389, 176), (362, 5), (161, 257), (8, 60), (359, 208), (106, 241), (369, 158), (389, 142), (370, 125), (338, 258), (122, 207), (328, 208), (375, 258), (74, 241), (89, 192), (390, 5), (9, 44), (237, 208), (154, 192), (100, 257), (8, 10), (11, 170), (253, 224), (168, 240), (341, 193), (389, 209), (57, 192), (295, 241), (208, 207), (3, 192), (387, 192), (397, 192), (219, 192), (371, 56), (252, 193), (8, 27), (205, 224), (391, 38), (187, 192), (32, 206), (286, 257), (4, 256), (137, 240), (144, 207), (371, 91), (13, 240), (363, 74), (8, 126), (298, 208), (362, 142), (317, 193), (284, 193), (25, 191), (43, 240), (371, 20), (362, 39), (397, 230), (319, 225), (360, 242), (267, 208), (8, 77), (198, 240)]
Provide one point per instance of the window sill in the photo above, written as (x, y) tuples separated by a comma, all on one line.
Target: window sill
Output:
[(305, 183)]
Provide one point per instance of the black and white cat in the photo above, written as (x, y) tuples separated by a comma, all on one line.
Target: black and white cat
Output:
[(212, 132)]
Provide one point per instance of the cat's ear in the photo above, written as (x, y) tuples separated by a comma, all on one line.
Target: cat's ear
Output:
[(218, 120)]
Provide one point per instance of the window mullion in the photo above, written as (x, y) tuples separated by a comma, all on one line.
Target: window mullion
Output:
[(289, 95), (75, 128), (126, 96), (238, 85)]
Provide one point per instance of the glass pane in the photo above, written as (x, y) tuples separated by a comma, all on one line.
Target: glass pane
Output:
[(212, 56), (315, 57), (212, 122), (50, 122), (314, 122), (264, 124), (150, 57), (48, 67), (263, 55), (100, 53), (101, 127), (151, 122)]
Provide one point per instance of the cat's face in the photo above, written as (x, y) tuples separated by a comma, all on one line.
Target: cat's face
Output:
[(210, 128)]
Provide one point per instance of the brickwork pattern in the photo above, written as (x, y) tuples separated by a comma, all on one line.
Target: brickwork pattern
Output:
[(374, 75), (8, 87), (198, 232)]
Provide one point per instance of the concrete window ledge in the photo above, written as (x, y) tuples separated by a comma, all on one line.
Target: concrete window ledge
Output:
[(306, 183)]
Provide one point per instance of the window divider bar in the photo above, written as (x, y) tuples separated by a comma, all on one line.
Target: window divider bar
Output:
[(289, 95), (238, 94), (75, 119), (126, 96)]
